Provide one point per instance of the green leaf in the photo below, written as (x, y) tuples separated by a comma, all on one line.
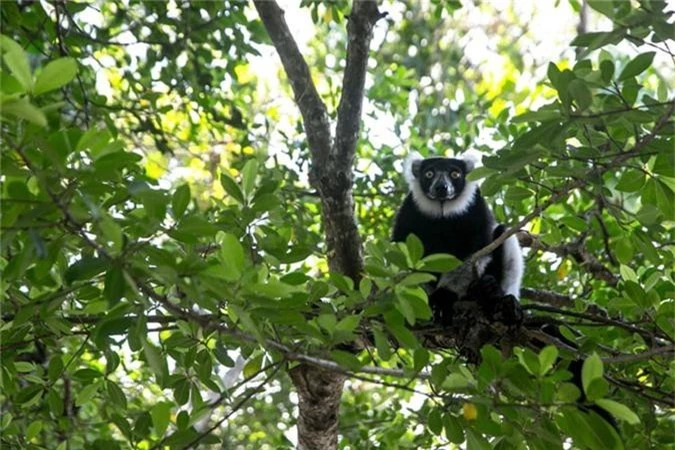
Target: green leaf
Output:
[(87, 375), (232, 188), (115, 284), (440, 263), (623, 250), (382, 344), (607, 70), (592, 369), (327, 322), (17, 62), (547, 357), (55, 74), (248, 176), (348, 324), (85, 394), (116, 394), (180, 201), (420, 359), (543, 134), (637, 65), (94, 139), (365, 287), (515, 194), (598, 388), (346, 360), (156, 361), (343, 283), (154, 203), (415, 248), (627, 273), (580, 93), (435, 421), (416, 299), (567, 393), (161, 415), (476, 441), (542, 115), (605, 7), (24, 110), (631, 181), (55, 368), (181, 391), (85, 269), (55, 402), (453, 429), (405, 309), (529, 360), (403, 335), (479, 173), (231, 253), (416, 278), (24, 366), (111, 235), (376, 269), (33, 430)]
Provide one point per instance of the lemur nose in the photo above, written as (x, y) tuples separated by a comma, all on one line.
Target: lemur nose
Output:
[(441, 190)]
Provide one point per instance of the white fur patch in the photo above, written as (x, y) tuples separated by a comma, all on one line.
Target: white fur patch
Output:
[(407, 167), (513, 266), (472, 158)]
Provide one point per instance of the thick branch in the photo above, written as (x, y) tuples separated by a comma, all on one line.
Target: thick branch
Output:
[(331, 169), (313, 110), (547, 297), (319, 389), (360, 31), (334, 179)]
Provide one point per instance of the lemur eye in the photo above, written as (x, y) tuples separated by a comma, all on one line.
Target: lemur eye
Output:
[(429, 174), (454, 174)]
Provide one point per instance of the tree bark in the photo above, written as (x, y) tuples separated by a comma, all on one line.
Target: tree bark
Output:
[(331, 173), (319, 392)]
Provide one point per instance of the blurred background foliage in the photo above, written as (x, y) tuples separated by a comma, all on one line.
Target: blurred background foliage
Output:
[(152, 156)]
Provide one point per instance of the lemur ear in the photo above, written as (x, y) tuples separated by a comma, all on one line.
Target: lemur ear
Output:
[(416, 165), (472, 159), (411, 166)]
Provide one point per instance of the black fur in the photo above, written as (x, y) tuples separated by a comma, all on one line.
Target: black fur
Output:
[(459, 235)]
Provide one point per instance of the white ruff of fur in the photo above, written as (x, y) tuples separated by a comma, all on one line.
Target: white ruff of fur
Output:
[(407, 167), (513, 267)]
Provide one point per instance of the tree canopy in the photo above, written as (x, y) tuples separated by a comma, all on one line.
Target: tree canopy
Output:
[(197, 200)]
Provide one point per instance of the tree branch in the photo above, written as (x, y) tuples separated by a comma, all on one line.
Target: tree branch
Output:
[(547, 297), (650, 334), (312, 109)]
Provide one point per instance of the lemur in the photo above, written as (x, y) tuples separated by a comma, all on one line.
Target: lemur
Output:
[(449, 215)]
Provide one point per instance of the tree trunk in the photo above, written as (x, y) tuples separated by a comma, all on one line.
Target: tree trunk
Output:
[(319, 393), (319, 390)]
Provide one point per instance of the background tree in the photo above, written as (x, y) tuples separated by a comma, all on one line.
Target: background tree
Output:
[(178, 240)]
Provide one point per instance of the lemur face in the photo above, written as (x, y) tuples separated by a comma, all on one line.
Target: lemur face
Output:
[(441, 179)]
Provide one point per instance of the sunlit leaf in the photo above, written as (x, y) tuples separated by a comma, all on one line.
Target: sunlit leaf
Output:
[(55, 74)]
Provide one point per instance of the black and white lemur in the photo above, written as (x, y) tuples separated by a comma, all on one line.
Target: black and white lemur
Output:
[(449, 215)]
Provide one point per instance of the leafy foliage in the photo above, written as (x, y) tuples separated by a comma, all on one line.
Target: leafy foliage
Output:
[(163, 261)]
